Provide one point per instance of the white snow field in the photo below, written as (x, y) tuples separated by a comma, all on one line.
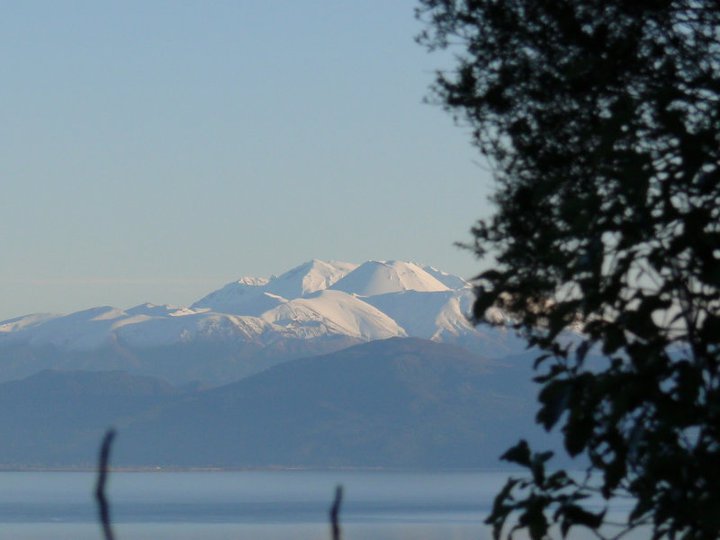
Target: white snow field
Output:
[(319, 306)]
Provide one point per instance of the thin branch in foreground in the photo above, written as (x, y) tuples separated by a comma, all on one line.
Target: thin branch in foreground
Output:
[(335, 513), (103, 506)]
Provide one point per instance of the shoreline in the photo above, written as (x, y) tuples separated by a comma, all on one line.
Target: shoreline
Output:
[(172, 469)]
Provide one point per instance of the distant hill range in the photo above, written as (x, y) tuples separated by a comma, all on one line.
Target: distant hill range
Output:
[(330, 364), (388, 403), (255, 323)]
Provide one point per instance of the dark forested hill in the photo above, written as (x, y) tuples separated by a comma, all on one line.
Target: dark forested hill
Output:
[(392, 403), (56, 417)]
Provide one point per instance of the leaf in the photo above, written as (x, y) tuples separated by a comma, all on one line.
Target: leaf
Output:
[(540, 359), (538, 467), (641, 509), (577, 433), (520, 454), (534, 517), (614, 339), (582, 351), (555, 397), (576, 515), (501, 510)]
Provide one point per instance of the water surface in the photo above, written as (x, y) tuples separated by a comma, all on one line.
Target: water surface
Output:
[(264, 505), (257, 505)]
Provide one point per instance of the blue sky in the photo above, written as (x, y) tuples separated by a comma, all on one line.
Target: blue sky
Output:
[(153, 151)]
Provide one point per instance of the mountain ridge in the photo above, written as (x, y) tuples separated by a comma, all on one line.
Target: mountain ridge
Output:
[(253, 323), (395, 403)]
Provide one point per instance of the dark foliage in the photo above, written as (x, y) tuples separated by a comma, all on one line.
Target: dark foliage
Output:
[(601, 120)]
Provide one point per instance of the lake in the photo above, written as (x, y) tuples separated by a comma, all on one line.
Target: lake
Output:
[(263, 505), (255, 505)]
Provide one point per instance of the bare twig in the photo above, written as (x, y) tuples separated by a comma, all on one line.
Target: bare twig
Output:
[(103, 507), (335, 512)]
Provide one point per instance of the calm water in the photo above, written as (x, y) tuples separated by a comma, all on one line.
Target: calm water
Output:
[(249, 505), (254, 505)]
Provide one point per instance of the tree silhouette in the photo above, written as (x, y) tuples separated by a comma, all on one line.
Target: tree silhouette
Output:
[(601, 120)]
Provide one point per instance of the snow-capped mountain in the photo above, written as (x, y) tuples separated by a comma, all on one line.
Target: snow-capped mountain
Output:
[(247, 325), (381, 277), (254, 296)]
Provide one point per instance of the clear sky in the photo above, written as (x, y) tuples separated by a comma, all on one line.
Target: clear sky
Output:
[(156, 150)]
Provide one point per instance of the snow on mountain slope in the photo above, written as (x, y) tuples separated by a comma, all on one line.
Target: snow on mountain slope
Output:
[(316, 307), (442, 316), (191, 327), (154, 310), (425, 314), (146, 325), (243, 297), (308, 278), (255, 296), (334, 312), (239, 300), (449, 280), (28, 321), (314, 300), (380, 277), (82, 330)]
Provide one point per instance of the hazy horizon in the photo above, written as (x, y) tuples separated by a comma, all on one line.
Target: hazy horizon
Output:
[(212, 285)]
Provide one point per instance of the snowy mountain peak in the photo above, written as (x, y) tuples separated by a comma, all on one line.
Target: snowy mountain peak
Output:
[(254, 296), (319, 306), (309, 277), (381, 277)]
